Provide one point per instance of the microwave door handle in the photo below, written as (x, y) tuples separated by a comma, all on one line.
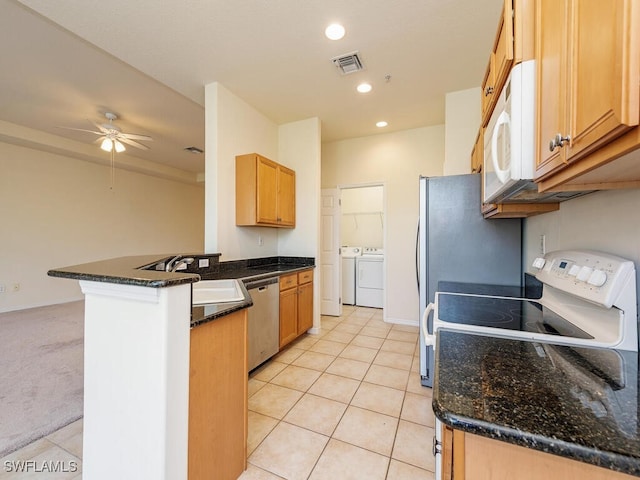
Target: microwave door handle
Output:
[(503, 175)]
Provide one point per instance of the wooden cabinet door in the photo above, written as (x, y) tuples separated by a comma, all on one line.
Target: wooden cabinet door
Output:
[(588, 60), (552, 19), (266, 197), (500, 62), (286, 196), (503, 48), (305, 307), (218, 383), (477, 154), (604, 72), (288, 315)]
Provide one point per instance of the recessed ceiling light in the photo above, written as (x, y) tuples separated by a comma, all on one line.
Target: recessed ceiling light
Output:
[(381, 124), (364, 87), (335, 31)]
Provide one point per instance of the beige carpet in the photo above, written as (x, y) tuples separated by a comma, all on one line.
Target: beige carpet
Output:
[(41, 372)]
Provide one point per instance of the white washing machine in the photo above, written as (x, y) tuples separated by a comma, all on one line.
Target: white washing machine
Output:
[(370, 277), (349, 255)]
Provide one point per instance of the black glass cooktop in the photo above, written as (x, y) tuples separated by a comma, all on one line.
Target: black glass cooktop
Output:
[(506, 313)]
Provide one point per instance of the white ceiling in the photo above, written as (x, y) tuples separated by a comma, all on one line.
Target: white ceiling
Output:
[(148, 62)]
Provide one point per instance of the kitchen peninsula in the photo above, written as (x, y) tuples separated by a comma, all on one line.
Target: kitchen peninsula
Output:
[(159, 371), (495, 396)]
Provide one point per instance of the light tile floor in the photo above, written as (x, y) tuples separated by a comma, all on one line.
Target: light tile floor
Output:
[(56, 456), (343, 404)]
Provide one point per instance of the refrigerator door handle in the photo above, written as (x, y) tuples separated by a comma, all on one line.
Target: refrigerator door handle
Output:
[(429, 340), (418, 256)]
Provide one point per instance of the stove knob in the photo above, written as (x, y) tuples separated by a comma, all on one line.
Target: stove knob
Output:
[(573, 271), (584, 274), (539, 263), (597, 278)]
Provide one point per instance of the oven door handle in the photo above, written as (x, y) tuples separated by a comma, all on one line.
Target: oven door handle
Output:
[(429, 340)]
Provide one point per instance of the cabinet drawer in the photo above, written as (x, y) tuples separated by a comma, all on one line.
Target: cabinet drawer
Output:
[(305, 277), (288, 281)]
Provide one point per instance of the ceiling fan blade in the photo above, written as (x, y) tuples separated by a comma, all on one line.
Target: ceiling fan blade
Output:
[(134, 136), (98, 126), (132, 143), (80, 130)]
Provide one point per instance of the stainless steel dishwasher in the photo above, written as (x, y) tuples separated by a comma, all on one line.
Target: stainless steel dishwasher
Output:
[(264, 320)]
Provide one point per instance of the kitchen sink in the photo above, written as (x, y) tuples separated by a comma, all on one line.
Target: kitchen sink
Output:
[(216, 291)]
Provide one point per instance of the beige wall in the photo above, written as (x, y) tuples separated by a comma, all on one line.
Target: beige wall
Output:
[(462, 120), (58, 211), (608, 221), (394, 160), (299, 149), (234, 127)]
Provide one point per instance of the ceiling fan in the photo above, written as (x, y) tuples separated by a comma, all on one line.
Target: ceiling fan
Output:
[(112, 137)]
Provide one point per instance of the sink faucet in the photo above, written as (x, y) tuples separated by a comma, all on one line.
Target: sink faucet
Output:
[(176, 262)]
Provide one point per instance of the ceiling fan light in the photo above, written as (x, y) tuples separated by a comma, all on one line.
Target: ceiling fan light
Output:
[(106, 145), (119, 146)]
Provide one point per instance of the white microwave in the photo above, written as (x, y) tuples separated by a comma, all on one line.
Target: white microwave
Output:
[(509, 149)]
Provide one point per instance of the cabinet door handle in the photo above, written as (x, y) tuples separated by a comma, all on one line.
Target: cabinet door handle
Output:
[(436, 449), (488, 91), (558, 141)]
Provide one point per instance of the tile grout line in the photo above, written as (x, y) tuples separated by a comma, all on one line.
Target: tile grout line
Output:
[(350, 404)]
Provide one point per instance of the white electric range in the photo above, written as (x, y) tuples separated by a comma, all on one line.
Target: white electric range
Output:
[(588, 299)]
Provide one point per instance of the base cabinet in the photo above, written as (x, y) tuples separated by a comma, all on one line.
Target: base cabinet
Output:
[(218, 398), (471, 457), (296, 305)]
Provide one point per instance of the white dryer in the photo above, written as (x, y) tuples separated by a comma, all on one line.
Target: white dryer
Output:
[(370, 278), (349, 255)]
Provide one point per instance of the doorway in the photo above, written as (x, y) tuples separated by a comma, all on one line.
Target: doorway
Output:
[(352, 216), (362, 233)]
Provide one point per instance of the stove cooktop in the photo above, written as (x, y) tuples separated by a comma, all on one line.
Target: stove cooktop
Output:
[(505, 313)]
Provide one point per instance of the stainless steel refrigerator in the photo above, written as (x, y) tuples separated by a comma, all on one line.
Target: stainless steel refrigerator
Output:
[(456, 243)]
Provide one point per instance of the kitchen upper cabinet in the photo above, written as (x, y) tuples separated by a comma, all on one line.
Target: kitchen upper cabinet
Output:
[(265, 192), (477, 154), (286, 201), (471, 457), (296, 305), (588, 69), (500, 61)]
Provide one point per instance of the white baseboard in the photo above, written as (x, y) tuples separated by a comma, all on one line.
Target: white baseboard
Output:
[(402, 321)]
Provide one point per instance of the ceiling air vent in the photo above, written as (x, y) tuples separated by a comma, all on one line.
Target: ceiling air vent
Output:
[(348, 63)]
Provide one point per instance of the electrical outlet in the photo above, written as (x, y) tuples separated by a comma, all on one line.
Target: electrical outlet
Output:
[(3, 289), (543, 244), (203, 263), (16, 287), (260, 240)]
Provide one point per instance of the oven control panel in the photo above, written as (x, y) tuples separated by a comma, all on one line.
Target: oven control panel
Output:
[(594, 276)]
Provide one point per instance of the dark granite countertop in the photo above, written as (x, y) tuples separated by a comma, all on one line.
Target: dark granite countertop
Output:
[(139, 270), (126, 271), (579, 403), (258, 268)]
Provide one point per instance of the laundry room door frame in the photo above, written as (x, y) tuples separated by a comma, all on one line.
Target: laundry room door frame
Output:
[(348, 186)]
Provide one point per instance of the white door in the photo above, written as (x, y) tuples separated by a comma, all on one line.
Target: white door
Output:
[(330, 286)]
